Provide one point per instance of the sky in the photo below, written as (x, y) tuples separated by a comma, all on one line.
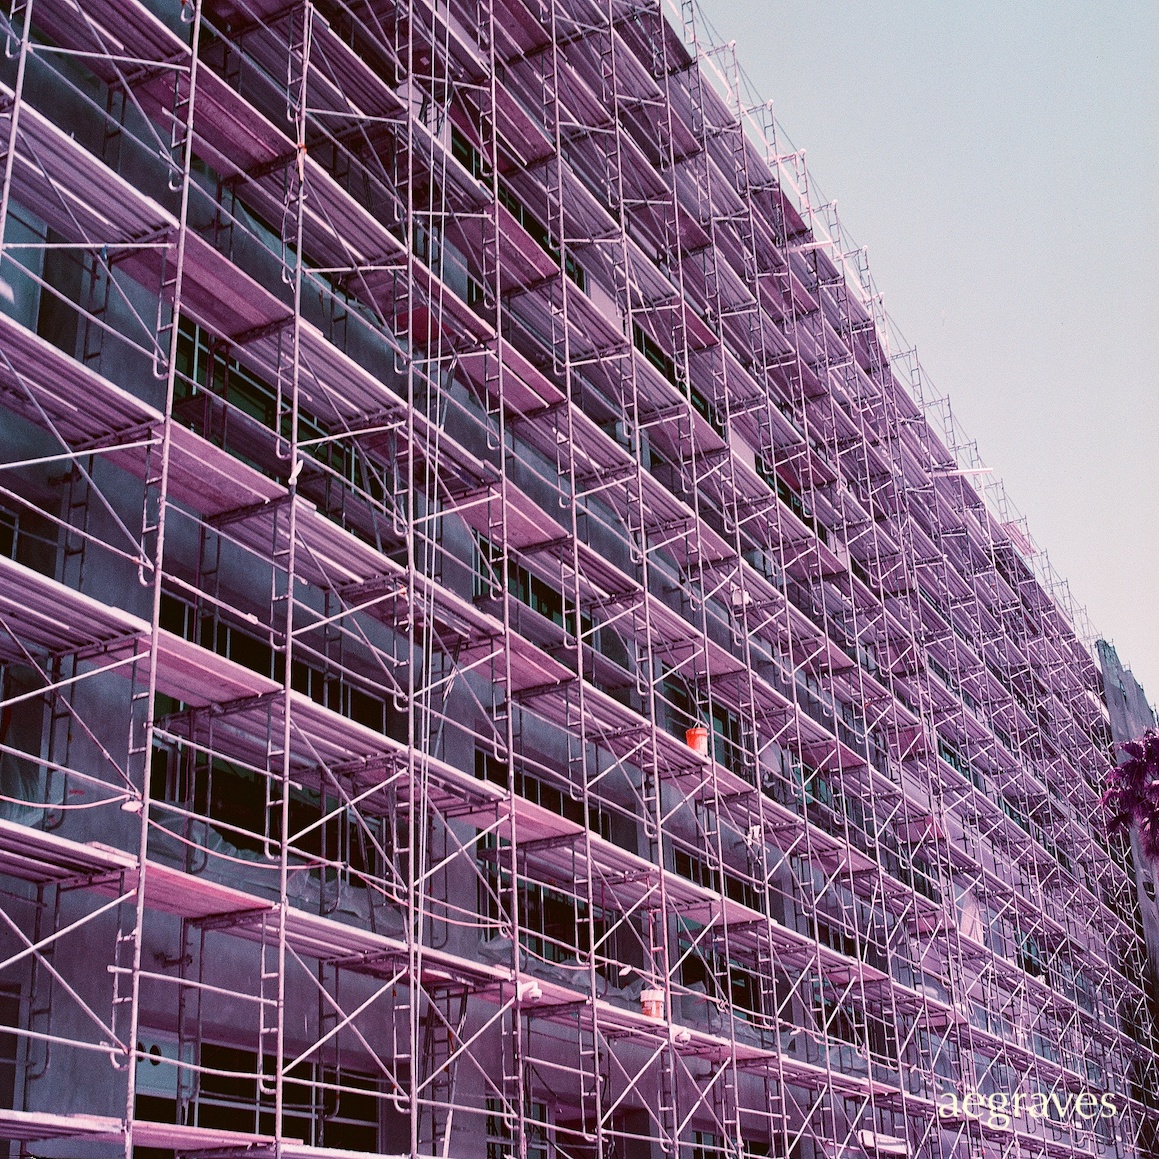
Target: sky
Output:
[(1000, 161)]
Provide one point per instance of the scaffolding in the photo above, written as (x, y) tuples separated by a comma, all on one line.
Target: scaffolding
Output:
[(502, 652)]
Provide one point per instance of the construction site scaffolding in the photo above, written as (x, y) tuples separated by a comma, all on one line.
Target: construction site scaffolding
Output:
[(503, 652)]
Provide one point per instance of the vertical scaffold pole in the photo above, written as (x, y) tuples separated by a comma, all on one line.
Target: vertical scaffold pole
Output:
[(142, 750), (14, 114)]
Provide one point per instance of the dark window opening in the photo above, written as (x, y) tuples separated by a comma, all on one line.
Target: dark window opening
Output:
[(9, 1044), (555, 800)]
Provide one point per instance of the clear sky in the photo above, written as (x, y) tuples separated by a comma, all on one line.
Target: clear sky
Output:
[(1001, 163)]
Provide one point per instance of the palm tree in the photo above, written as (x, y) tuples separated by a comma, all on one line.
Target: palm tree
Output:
[(1133, 793)]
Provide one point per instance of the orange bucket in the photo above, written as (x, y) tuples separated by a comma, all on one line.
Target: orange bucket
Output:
[(697, 739), (652, 1003)]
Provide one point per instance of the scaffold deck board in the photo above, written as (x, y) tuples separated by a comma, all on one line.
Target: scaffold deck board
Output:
[(211, 481), (34, 855), (109, 210), (36, 376), (42, 1126), (105, 27), (39, 1126), (357, 87), (40, 613)]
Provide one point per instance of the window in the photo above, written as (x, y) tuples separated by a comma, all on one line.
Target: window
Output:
[(237, 800), (554, 925), (790, 498), (835, 1018), (1015, 814), (258, 655), (530, 590), (324, 1105), (654, 354), (475, 163), (706, 967), (9, 1016), (1030, 957), (728, 744), (882, 1034), (703, 1145), (501, 1138), (229, 405), (554, 799), (960, 764), (29, 538)]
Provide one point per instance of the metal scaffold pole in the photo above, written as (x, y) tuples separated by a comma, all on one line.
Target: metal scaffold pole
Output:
[(143, 702)]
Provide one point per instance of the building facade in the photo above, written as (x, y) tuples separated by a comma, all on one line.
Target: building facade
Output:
[(500, 656)]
